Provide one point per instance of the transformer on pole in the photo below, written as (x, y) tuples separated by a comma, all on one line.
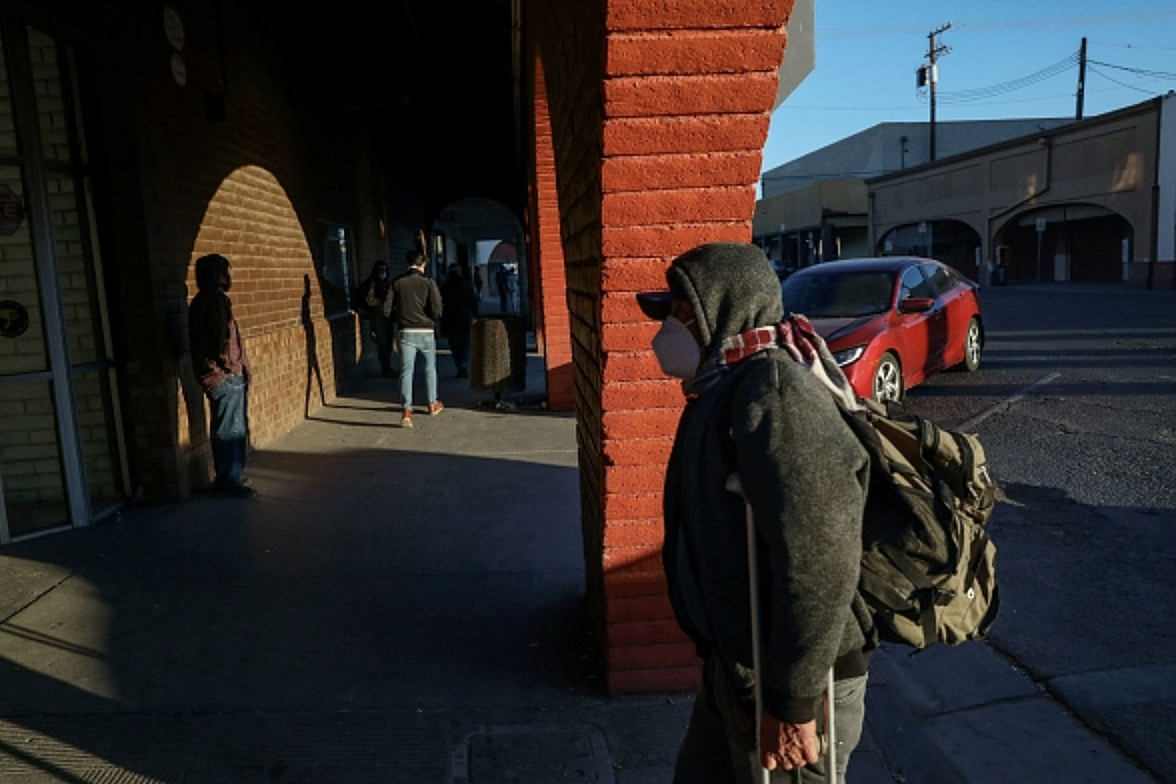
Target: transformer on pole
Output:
[(928, 76)]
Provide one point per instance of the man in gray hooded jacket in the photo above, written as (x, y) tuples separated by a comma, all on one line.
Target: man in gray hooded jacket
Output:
[(756, 413)]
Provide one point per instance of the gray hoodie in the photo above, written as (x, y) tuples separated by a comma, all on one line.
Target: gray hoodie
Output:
[(769, 420)]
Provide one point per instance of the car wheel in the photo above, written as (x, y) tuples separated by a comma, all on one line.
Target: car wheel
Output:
[(973, 344), (887, 384)]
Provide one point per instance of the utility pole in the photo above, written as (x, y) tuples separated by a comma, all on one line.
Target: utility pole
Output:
[(929, 75), (1081, 80)]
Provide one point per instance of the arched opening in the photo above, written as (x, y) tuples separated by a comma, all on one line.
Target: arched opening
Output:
[(1082, 243), (479, 235), (951, 241)]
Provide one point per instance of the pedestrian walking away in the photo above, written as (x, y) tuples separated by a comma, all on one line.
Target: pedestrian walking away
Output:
[(415, 307), (762, 463), (221, 366), (513, 304), (459, 304), (503, 294)]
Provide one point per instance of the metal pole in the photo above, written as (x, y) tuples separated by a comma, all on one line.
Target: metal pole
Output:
[(734, 486), (1081, 80), (1039, 258), (830, 733), (829, 741), (933, 52)]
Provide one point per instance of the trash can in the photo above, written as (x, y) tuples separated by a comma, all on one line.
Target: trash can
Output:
[(498, 355)]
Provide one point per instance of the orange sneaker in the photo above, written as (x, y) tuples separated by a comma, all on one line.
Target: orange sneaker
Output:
[(406, 418), (435, 407)]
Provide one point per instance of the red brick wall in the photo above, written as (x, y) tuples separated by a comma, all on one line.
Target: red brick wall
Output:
[(685, 90), (564, 54), (552, 326)]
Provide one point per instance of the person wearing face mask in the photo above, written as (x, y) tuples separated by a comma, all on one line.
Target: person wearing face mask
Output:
[(760, 434), (222, 368), (369, 298)]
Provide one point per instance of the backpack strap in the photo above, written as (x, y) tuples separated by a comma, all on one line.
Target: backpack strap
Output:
[(926, 595)]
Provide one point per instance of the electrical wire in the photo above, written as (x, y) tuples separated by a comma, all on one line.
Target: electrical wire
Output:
[(1124, 85), (985, 93), (1136, 71)]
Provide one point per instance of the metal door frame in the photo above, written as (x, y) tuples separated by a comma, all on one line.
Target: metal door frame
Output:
[(37, 211)]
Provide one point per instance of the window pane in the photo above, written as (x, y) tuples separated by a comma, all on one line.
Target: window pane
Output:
[(50, 99), (22, 335), (334, 274), (83, 326), (30, 466), (8, 145)]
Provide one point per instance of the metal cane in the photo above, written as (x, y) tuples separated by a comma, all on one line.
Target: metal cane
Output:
[(734, 486), (829, 741)]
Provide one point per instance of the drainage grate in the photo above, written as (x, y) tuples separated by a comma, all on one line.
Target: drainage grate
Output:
[(533, 755)]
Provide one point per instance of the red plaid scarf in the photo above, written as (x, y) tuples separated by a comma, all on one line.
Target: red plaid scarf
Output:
[(795, 334)]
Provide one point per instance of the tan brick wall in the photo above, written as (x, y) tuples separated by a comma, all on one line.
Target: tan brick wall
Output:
[(250, 186), (657, 149)]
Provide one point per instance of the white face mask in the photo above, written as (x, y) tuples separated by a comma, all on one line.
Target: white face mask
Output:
[(676, 349)]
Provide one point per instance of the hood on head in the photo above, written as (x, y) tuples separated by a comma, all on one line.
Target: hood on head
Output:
[(730, 285), (211, 272)]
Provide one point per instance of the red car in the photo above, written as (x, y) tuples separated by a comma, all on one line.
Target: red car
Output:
[(891, 322)]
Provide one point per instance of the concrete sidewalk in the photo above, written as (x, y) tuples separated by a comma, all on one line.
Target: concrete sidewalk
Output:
[(407, 606)]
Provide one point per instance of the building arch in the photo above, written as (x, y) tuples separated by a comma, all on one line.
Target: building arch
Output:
[(467, 230), (953, 242), (1078, 242)]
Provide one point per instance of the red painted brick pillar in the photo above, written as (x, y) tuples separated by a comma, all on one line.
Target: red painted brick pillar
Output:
[(552, 328), (688, 89)]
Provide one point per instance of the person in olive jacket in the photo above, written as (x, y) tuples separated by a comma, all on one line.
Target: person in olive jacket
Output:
[(759, 432)]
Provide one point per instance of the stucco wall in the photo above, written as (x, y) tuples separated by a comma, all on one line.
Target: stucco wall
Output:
[(1107, 161)]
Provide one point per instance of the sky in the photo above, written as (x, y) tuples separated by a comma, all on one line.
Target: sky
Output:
[(1003, 60)]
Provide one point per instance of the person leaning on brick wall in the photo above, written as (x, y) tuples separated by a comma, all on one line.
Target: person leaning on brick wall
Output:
[(222, 368)]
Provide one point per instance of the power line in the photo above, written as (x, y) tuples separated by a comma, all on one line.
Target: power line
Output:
[(1136, 71), (1122, 84), (984, 93)]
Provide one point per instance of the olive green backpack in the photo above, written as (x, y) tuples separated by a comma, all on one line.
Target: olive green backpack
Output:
[(928, 565), (928, 568)]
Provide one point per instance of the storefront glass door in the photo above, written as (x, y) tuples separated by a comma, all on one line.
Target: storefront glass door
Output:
[(61, 457)]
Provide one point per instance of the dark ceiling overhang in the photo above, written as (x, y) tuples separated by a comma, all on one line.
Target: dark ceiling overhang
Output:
[(433, 79)]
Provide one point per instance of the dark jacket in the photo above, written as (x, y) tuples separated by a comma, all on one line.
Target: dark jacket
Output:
[(371, 295), (214, 338), (459, 301), (772, 422), (414, 301)]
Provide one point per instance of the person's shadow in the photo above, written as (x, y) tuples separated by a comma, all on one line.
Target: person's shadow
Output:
[(313, 371)]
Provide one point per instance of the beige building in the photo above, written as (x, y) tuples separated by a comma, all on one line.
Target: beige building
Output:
[(1088, 201)]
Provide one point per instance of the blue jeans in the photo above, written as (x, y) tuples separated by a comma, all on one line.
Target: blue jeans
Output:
[(229, 430), (720, 743), (412, 343)]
